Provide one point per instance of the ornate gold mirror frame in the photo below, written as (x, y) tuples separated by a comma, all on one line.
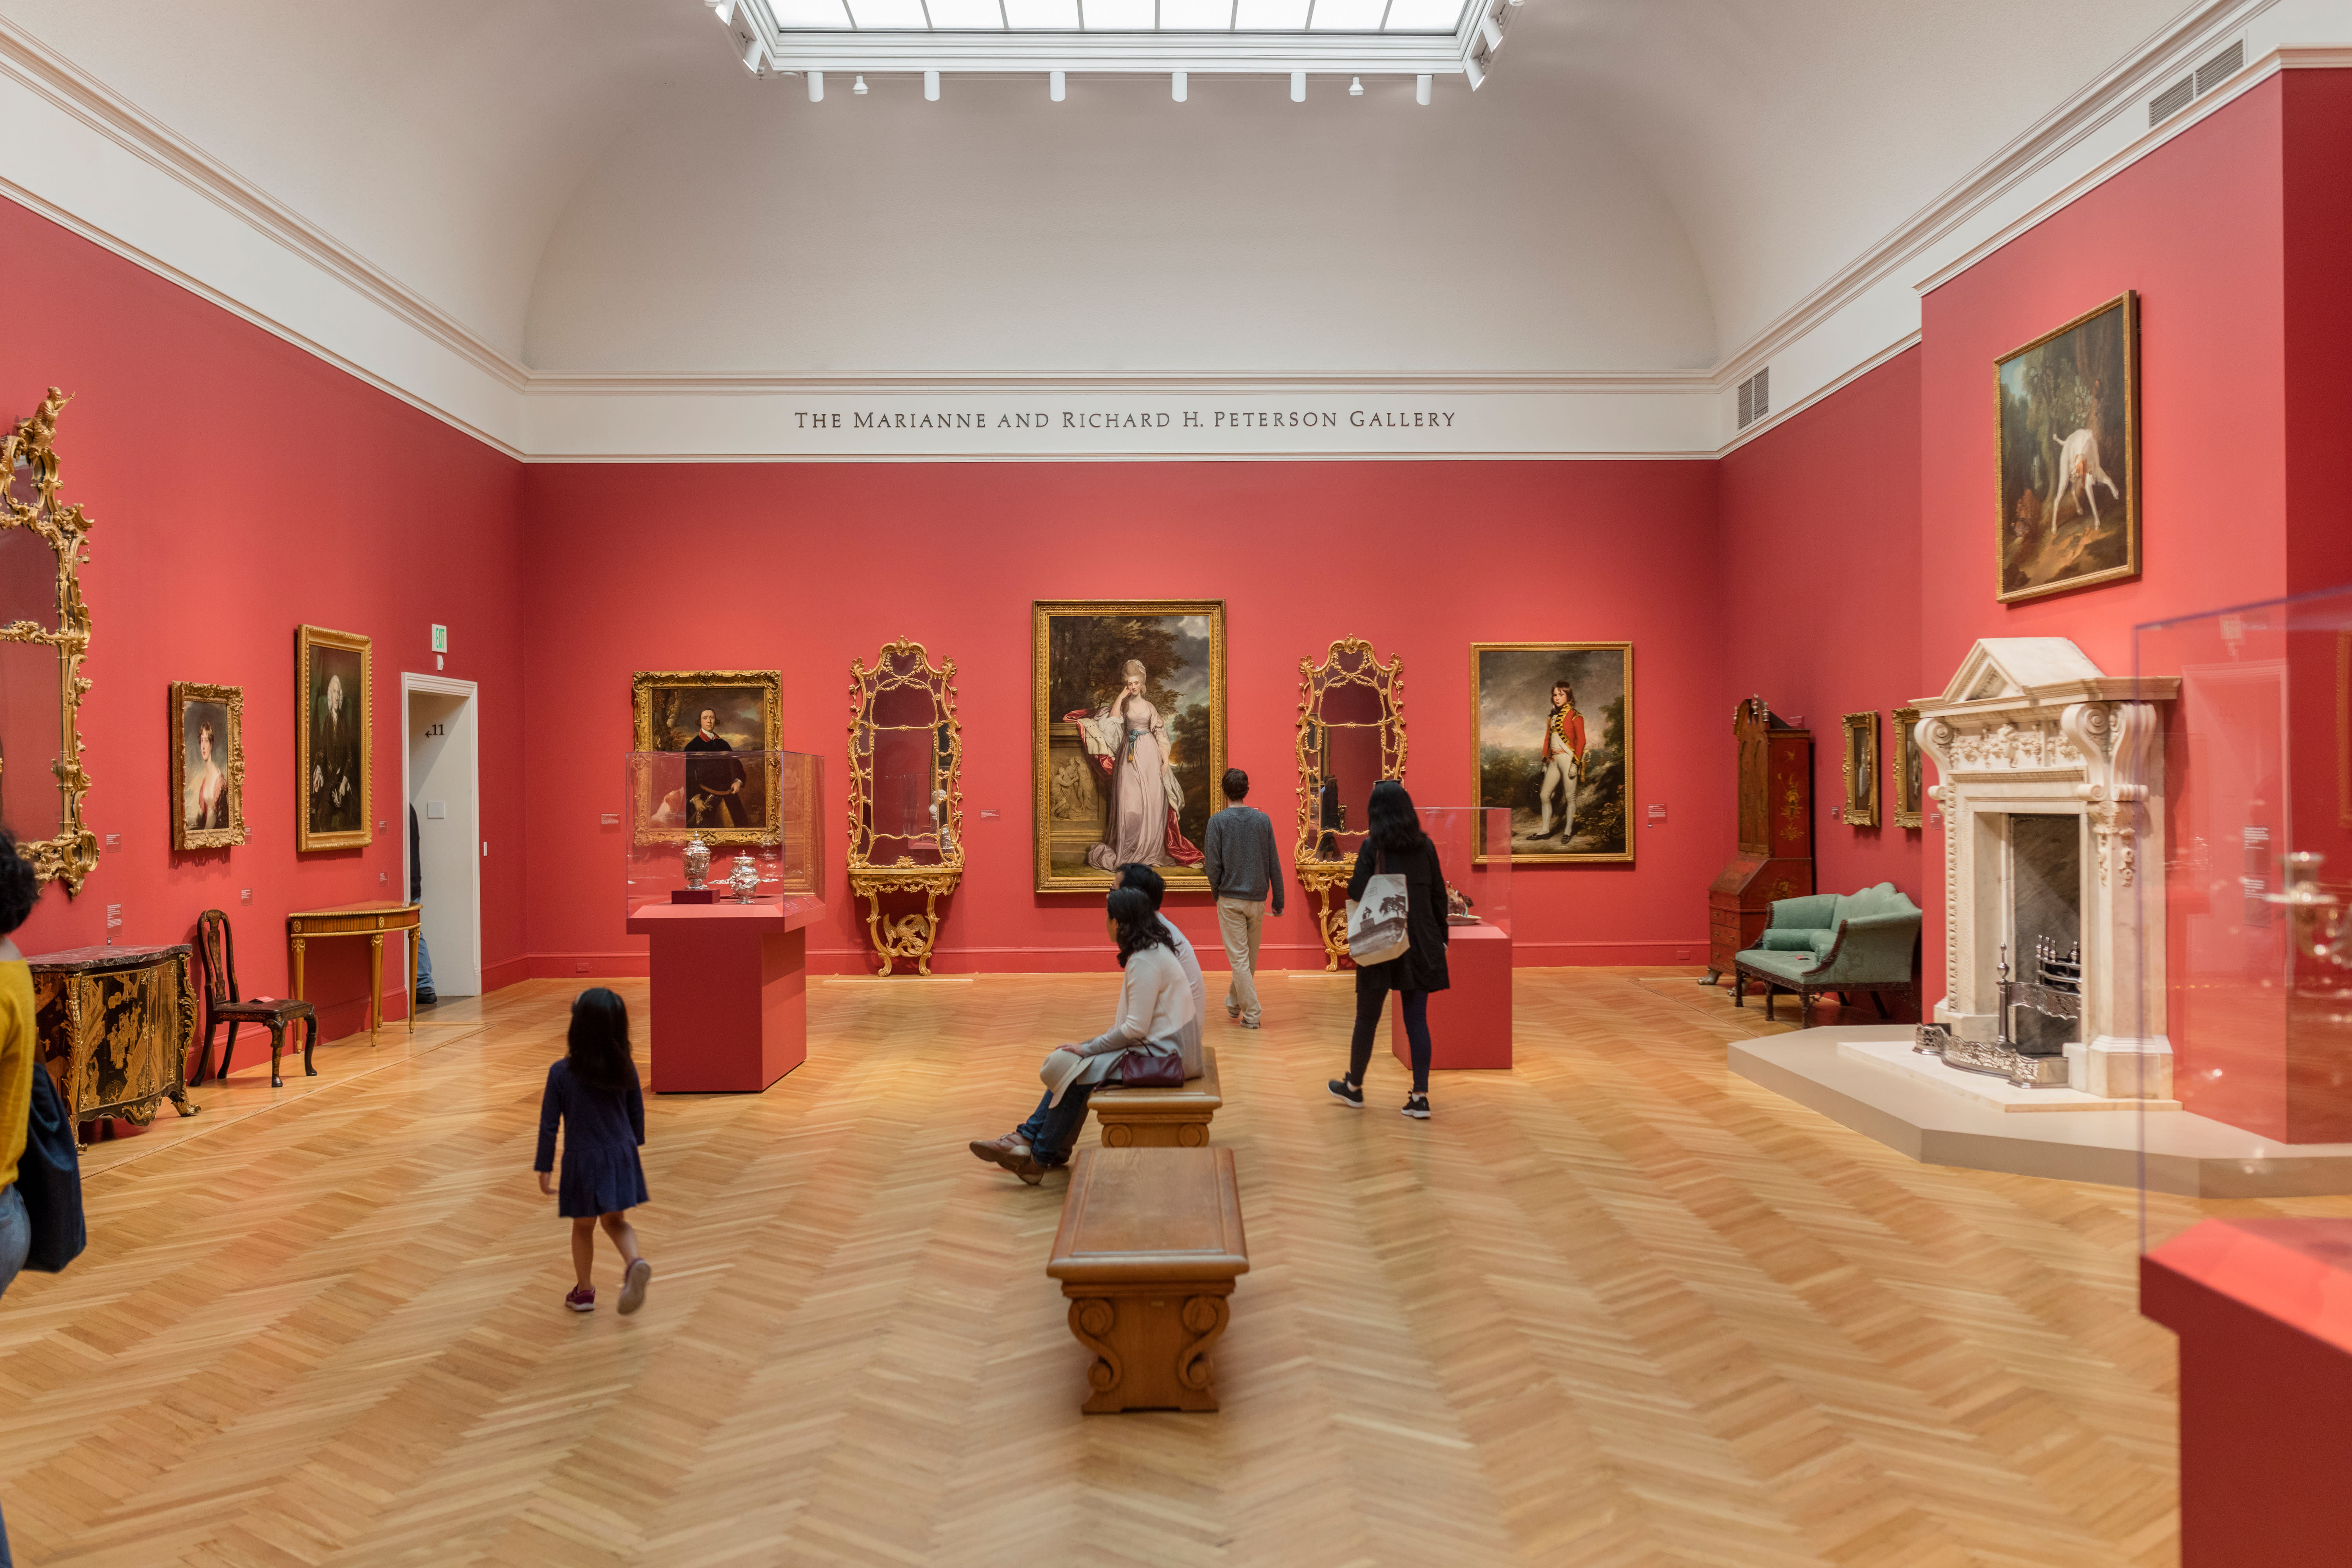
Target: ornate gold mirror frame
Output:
[(33, 507), (1325, 853), (904, 693)]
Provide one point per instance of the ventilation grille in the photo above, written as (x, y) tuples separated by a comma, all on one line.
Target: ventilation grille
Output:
[(2225, 65), (1754, 397)]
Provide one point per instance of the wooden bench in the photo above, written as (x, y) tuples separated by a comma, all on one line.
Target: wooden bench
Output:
[(1150, 1246), (1160, 1118)]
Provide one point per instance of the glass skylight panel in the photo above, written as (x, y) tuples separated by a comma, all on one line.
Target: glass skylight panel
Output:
[(811, 14), (967, 15), (1118, 16), (1187, 16), (1346, 16), (889, 12), (1032, 14), (1424, 16), (1270, 15)]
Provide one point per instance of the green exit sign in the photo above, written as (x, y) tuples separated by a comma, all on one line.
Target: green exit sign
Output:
[(440, 639)]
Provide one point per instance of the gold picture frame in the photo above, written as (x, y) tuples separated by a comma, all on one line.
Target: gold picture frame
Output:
[(28, 458), (745, 696), (1078, 652), (203, 818), (1511, 685), (1861, 769), (2065, 407), (334, 740), (1910, 797)]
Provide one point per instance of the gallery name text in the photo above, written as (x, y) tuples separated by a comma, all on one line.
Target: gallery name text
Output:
[(1187, 420)]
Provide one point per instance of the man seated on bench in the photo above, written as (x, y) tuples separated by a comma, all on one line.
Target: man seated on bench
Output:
[(1161, 993)]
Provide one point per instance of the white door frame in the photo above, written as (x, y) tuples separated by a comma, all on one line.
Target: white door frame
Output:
[(444, 686)]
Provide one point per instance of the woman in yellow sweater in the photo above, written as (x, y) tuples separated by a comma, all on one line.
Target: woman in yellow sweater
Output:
[(18, 889)]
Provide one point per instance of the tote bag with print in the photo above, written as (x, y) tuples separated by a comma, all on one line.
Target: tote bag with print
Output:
[(1376, 922)]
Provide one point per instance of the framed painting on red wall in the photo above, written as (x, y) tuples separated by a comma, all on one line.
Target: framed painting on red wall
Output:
[(334, 740), (2067, 455), (207, 765), (1552, 742), (1128, 719)]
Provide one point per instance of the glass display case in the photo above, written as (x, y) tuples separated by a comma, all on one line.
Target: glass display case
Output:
[(738, 826), (2245, 897), (1484, 892)]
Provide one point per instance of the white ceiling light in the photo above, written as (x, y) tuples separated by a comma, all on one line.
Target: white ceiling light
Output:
[(1356, 87), (1177, 86), (930, 87), (1057, 86), (858, 87), (817, 87), (1420, 90), (1297, 87)]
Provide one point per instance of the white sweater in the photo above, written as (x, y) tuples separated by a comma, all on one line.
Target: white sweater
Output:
[(1155, 1003)]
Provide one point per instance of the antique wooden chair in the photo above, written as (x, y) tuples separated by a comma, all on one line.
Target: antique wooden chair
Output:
[(222, 1005)]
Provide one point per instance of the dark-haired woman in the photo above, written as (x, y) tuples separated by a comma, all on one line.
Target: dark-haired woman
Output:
[(1155, 1003), (1396, 846), (593, 1092), (20, 888)]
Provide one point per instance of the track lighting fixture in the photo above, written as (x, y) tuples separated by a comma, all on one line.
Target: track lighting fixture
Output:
[(1178, 85), (1420, 90), (858, 87), (930, 87), (817, 87), (1297, 87), (1356, 87), (1056, 85), (1474, 72)]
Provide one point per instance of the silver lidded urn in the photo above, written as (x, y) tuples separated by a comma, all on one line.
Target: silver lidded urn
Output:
[(744, 879), (698, 863)]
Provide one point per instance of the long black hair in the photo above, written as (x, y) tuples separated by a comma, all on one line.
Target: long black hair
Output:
[(598, 1045), (20, 885), (1396, 826), (1139, 924)]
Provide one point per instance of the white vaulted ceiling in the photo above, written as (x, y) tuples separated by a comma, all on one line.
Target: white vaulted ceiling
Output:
[(597, 186)]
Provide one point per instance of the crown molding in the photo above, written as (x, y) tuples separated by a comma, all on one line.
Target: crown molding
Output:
[(1204, 383)]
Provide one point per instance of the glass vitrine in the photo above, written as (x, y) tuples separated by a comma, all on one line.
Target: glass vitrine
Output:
[(764, 803), (906, 799), (1351, 736)]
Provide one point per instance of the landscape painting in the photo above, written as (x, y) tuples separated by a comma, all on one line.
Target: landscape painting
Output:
[(1554, 745), (2068, 454)]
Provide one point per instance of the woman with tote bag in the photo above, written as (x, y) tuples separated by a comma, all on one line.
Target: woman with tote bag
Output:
[(1397, 864)]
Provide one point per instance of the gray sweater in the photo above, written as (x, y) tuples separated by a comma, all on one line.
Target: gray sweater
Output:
[(1240, 857)]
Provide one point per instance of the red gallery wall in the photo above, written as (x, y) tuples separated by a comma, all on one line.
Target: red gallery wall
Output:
[(804, 567), (1821, 530), (239, 485)]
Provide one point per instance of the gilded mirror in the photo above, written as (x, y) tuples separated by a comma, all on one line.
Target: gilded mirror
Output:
[(905, 795), (43, 635), (1351, 736)]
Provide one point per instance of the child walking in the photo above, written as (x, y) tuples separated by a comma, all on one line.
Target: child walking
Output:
[(593, 1091)]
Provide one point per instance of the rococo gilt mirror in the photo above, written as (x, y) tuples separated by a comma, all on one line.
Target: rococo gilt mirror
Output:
[(43, 635), (1351, 736), (905, 796)]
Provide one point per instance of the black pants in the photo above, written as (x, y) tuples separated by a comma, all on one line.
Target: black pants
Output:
[(1369, 1002)]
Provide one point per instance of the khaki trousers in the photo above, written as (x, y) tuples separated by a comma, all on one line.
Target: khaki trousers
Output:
[(1242, 924)]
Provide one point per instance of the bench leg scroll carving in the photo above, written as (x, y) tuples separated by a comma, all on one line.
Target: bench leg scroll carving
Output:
[(1091, 1319), (1151, 1345), (1204, 1319)]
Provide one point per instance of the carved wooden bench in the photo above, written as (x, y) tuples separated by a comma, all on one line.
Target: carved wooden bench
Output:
[(1160, 1118), (1150, 1246)]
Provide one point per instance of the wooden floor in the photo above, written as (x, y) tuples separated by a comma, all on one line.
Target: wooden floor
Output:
[(1615, 1307)]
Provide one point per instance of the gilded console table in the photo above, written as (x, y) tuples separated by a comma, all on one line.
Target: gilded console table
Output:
[(115, 1024), (370, 921), (909, 938), (1317, 879)]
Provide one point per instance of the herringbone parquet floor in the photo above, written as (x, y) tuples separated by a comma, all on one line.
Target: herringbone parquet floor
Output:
[(1617, 1306)]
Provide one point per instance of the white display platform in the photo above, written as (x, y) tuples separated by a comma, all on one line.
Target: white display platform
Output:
[(1981, 1088), (2186, 1153)]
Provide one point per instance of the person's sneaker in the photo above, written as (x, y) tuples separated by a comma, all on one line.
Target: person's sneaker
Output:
[(1234, 1014), (1346, 1093), (632, 1286), (582, 1299), (1247, 1022), (1417, 1107)]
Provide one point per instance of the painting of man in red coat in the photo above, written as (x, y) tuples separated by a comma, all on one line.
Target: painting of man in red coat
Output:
[(1563, 760)]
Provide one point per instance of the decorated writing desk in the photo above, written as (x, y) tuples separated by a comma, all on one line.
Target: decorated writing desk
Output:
[(730, 993), (370, 921), (114, 1024)]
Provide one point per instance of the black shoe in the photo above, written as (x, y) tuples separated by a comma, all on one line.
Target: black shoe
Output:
[(424, 997), (1417, 1107), (1345, 1092)]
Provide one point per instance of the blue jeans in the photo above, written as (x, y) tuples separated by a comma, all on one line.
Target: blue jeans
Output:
[(1051, 1131), (15, 1240)]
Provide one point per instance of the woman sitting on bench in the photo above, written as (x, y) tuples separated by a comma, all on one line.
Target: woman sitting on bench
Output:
[(1155, 1003)]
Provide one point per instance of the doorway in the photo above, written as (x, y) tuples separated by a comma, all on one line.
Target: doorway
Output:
[(440, 779)]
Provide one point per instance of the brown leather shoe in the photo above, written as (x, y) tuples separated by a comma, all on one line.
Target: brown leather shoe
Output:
[(1012, 1153), (993, 1149)]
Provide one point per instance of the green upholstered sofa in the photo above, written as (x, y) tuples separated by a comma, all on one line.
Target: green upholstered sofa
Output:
[(1845, 942)]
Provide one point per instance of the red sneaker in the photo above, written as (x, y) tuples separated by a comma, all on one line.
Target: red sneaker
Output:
[(582, 1299)]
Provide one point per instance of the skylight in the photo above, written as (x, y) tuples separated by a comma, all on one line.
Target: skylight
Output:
[(1058, 38)]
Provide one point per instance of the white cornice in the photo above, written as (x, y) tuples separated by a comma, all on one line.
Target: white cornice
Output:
[(1386, 383)]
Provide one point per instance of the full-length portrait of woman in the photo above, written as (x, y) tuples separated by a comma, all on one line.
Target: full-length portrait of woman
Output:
[(1126, 742), (206, 804)]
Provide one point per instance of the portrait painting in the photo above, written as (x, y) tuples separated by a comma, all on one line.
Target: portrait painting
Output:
[(2068, 454), (208, 738), (1552, 743), (333, 740), (1128, 720), (713, 717), (1910, 796), (1861, 769)]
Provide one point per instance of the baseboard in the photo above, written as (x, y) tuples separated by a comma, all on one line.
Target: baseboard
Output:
[(1094, 957), (497, 976)]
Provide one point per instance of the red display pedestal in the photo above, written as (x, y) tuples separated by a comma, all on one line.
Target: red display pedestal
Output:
[(731, 994), (2264, 1309), (1470, 1021)]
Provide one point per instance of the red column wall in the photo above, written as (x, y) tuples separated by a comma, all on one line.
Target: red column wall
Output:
[(806, 566), (239, 485)]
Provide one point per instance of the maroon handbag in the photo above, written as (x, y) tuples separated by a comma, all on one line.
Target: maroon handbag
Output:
[(1148, 1070)]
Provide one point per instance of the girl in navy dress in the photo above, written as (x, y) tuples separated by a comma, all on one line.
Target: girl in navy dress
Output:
[(593, 1092)]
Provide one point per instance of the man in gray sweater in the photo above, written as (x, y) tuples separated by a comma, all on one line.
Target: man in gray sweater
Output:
[(1243, 867)]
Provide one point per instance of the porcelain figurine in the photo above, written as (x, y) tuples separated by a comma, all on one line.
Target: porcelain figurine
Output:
[(698, 863)]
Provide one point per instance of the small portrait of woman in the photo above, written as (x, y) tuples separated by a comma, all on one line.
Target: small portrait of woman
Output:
[(207, 766)]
